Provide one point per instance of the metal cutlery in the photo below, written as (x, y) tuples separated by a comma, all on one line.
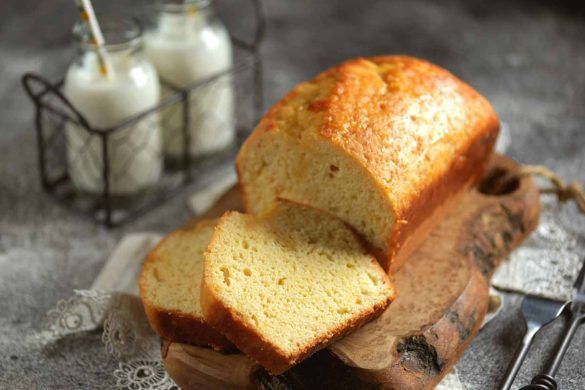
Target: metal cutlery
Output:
[(546, 380), (537, 312)]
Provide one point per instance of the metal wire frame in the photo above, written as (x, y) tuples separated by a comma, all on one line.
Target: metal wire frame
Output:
[(104, 208)]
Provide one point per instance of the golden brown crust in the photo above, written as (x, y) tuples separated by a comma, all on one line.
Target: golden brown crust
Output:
[(185, 328), (425, 212), (174, 325), (249, 341), (421, 134), (252, 343)]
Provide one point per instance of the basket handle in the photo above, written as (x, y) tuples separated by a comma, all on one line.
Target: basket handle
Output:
[(260, 22), (258, 35), (37, 87)]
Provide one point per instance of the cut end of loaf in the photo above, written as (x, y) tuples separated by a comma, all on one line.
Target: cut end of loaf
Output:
[(315, 173), (170, 283), (380, 142), (286, 283)]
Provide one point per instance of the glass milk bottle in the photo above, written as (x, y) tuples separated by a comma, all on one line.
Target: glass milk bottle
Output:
[(134, 152), (187, 45)]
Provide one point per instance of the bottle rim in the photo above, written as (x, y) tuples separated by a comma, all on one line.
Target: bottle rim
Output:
[(120, 33), (181, 6)]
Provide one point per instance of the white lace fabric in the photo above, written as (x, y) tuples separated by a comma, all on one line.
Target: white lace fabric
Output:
[(126, 335), (125, 331)]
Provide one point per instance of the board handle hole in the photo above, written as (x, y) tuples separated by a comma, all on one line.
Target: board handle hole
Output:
[(498, 181)]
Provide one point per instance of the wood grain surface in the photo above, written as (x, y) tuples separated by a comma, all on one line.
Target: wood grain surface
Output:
[(442, 299)]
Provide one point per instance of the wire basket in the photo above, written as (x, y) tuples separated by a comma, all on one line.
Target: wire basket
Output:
[(54, 113)]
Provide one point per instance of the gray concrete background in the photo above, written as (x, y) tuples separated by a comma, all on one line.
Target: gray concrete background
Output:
[(527, 57)]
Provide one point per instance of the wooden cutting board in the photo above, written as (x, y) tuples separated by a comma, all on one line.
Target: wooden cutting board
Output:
[(442, 299)]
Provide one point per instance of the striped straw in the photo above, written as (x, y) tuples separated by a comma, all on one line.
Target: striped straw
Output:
[(190, 8), (96, 37)]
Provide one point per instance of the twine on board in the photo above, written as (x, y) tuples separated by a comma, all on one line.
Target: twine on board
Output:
[(563, 191)]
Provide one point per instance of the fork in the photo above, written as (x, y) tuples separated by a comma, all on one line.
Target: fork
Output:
[(537, 312), (545, 380)]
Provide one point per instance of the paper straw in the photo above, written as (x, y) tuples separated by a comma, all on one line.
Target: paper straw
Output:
[(191, 9), (96, 37)]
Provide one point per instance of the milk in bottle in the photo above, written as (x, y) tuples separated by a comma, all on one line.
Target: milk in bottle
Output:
[(134, 152), (188, 45)]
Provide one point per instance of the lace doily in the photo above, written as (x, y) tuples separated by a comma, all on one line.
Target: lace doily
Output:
[(126, 335), (125, 331), (143, 375)]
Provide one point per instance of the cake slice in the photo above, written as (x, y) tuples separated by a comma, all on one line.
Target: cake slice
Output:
[(169, 287), (283, 284)]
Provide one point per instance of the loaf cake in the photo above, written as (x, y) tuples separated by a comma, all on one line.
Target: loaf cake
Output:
[(385, 143), (287, 282), (170, 282)]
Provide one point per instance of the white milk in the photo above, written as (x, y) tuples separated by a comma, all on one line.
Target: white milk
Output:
[(187, 47), (134, 152)]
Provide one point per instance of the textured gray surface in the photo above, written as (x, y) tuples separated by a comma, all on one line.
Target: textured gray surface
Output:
[(527, 57)]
